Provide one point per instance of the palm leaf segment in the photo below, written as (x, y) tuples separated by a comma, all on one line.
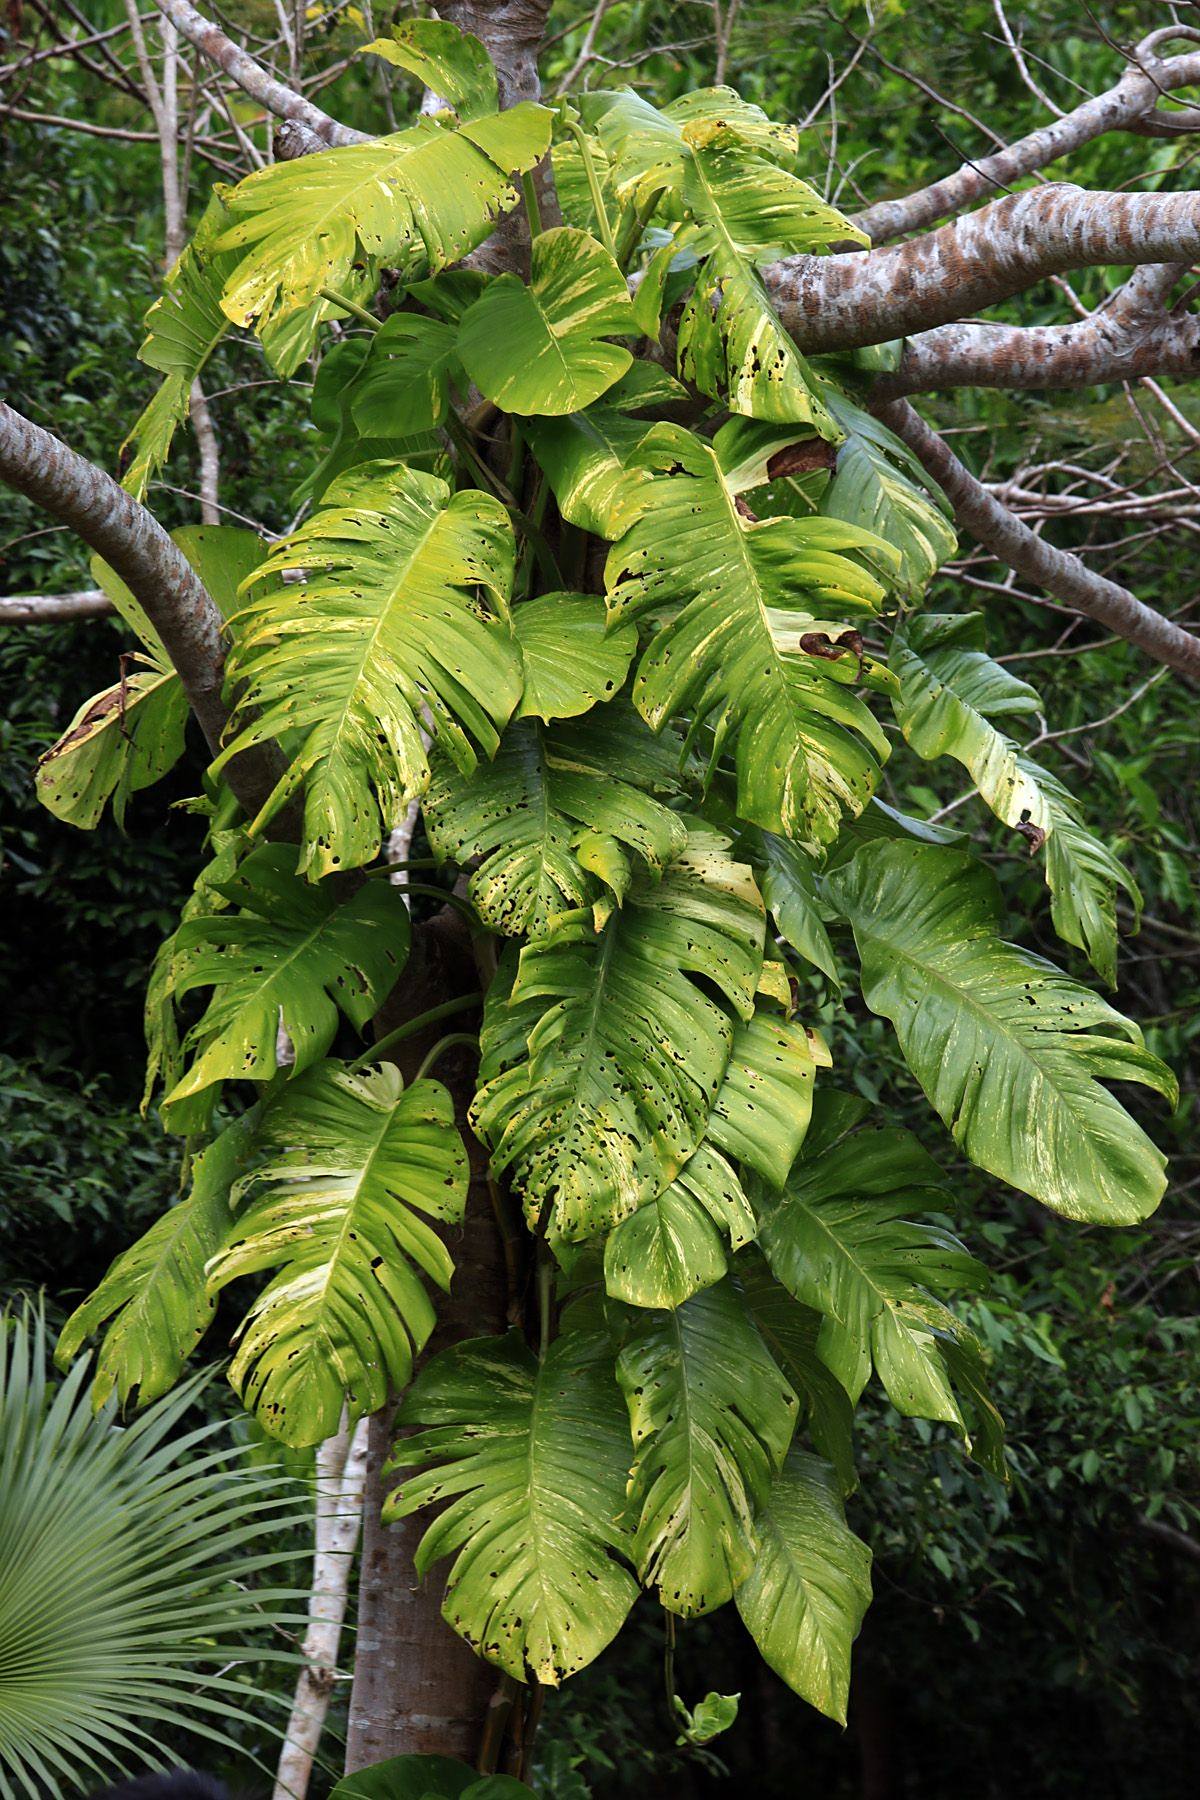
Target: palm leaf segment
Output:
[(600, 1065), (532, 1458), (951, 694), (137, 1566), (739, 601), (354, 1164), (384, 630), (1009, 1050)]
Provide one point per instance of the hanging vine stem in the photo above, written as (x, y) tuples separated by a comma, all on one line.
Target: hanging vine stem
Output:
[(411, 1027), (570, 119), (443, 1044)]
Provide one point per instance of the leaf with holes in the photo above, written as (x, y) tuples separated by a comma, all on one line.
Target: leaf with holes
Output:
[(531, 1458), (675, 1244), (738, 602), (415, 201), (543, 348), (601, 1063), (559, 818), (352, 1167), (712, 1418), (1010, 1051), (282, 962), (382, 640)]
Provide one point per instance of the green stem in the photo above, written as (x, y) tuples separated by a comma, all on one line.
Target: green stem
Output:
[(350, 306), (529, 189), (461, 439), (593, 181), (445, 895), (443, 1044), (631, 236), (411, 1027)]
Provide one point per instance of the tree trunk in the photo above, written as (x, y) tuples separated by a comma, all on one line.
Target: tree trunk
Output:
[(417, 1686)]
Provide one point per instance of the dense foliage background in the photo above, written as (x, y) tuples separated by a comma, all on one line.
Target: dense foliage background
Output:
[(1038, 1638)]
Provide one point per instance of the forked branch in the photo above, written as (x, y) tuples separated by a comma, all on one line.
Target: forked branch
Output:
[(847, 301), (1131, 105), (1057, 571)]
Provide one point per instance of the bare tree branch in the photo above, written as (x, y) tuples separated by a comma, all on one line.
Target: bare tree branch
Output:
[(842, 302), (1057, 571), (1128, 106), (1128, 339), (253, 79), (42, 609), (159, 576)]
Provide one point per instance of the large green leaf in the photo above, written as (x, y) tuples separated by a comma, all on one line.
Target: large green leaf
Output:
[(599, 1068), (878, 483), (675, 1244), (839, 1240), (950, 693), (120, 741), (542, 347), (416, 201), (453, 64), (183, 327), (142, 1578), (132, 734), (650, 148), (587, 457), (788, 878), (281, 966), (532, 1458), (1010, 1051), (712, 1419), (404, 388), (745, 210), (383, 639), (154, 1298), (558, 818), (427, 1777), (804, 1600), (571, 662), (736, 597), (353, 1165), (791, 1332)]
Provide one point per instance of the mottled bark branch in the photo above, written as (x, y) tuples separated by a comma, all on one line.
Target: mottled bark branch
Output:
[(1057, 571), (1128, 106), (846, 301), (253, 79), (134, 544), (43, 609), (1131, 337)]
